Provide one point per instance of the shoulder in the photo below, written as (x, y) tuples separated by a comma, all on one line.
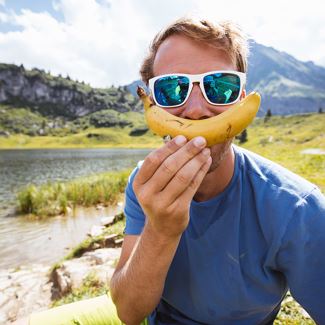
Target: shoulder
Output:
[(269, 175), (278, 196), (288, 209)]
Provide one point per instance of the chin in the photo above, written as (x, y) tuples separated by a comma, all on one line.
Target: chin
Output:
[(218, 153)]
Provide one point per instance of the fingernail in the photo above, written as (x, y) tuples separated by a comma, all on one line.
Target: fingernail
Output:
[(180, 140), (199, 142)]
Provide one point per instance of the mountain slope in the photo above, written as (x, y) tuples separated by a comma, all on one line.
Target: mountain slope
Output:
[(287, 85), (59, 96)]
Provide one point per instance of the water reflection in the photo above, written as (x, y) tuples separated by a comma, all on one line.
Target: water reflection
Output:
[(23, 241)]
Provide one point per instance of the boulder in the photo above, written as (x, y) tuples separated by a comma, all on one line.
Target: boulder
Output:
[(71, 274)]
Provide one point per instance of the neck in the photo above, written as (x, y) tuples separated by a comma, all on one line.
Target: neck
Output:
[(217, 180)]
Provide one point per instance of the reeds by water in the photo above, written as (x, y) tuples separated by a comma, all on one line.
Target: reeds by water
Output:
[(58, 197)]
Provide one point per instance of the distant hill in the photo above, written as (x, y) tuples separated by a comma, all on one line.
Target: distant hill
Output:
[(33, 102), (60, 96), (287, 85)]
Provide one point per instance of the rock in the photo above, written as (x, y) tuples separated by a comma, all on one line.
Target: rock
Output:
[(72, 273), (63, 281), (118, 242), (96, 231), (96, 246), (109, 240), (4, 134), (107, 221), (102, 256)]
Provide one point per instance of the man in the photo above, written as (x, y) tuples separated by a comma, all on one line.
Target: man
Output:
[(214, 235)]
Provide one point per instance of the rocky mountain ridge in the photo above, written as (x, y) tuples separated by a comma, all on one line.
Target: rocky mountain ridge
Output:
[(59, 96), (287, 85)]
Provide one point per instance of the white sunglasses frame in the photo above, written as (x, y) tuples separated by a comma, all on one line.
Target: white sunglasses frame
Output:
[(198, 78)]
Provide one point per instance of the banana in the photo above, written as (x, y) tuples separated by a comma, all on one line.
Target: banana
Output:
[(216, 129)]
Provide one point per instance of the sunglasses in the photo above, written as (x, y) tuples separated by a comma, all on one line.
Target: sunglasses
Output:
[(218, 87)]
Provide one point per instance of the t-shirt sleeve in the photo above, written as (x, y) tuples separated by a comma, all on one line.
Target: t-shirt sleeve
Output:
[(301, 256), (135, 218)]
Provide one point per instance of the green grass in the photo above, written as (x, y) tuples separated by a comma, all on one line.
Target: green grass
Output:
[(291, 313), (282, 140), (55, 198), (89, 138), (20, 120)]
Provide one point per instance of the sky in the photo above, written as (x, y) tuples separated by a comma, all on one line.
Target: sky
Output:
[(102, 42)]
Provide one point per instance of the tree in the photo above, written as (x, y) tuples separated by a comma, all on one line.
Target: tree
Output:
[(268, 115), (320, 110), (242, 137), (44, 124)]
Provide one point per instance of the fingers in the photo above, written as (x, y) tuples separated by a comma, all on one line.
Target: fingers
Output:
[(190, 191), (155, 158), (173, 163), (189, 177)]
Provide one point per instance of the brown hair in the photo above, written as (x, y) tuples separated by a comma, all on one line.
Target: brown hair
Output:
[(225, 35)]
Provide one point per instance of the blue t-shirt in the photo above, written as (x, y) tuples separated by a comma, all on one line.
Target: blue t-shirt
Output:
[(243, 248)]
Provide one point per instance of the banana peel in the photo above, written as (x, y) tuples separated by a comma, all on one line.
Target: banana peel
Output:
[(216, 129)]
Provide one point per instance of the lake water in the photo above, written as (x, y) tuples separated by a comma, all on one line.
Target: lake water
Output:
[(46, 241)]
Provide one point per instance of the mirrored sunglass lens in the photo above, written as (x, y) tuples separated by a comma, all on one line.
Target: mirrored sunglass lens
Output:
[(222, 88), (171, 90)]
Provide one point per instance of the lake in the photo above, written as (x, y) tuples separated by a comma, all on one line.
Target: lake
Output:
[(46, 241)]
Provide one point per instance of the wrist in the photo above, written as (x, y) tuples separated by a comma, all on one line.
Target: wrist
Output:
[(160, 237)]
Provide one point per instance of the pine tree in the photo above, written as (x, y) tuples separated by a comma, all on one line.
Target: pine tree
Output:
[(268, 115), (242, 137)]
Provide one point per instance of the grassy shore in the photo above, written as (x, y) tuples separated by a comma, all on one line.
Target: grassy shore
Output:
[(59, 197)]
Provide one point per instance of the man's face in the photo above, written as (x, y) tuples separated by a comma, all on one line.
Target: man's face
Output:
[(183, 55)]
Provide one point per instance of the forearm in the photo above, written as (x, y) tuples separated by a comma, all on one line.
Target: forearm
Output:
[(137, 287)]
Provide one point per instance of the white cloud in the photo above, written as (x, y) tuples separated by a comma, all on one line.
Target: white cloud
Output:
[(296, 27), (2, 2), (103, 42)]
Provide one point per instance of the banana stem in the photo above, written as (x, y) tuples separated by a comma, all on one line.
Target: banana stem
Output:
[(147, 103)]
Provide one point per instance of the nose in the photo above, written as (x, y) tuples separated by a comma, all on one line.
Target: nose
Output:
[(196, 107)]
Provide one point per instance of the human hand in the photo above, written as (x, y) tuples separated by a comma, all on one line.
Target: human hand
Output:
[(167, 181)]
